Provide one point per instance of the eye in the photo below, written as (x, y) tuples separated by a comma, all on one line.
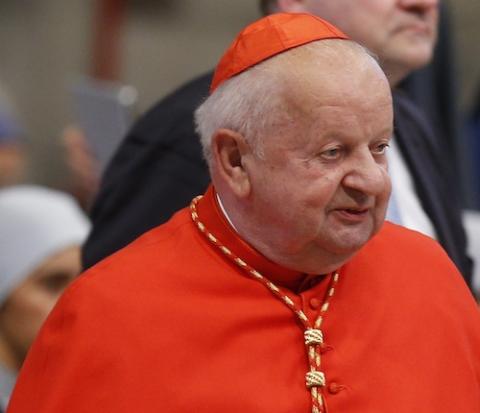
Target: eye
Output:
[(331, 154), (380, 149), (55, 282)]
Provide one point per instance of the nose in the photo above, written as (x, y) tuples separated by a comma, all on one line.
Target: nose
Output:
[(419, 5), (367, 176)]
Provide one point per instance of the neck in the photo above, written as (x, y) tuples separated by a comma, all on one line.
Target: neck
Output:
[(224, 212), (308, 260), (270, 243), (209, 218), (394, 74)]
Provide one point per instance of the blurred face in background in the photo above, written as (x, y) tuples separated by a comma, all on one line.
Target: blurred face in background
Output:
[(401, 32), (12, 164), (27, 307)]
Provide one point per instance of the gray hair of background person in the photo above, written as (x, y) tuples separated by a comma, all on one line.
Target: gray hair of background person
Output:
[(35, 223)]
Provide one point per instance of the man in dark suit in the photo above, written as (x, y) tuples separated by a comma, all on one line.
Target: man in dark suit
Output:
[(159, 167)]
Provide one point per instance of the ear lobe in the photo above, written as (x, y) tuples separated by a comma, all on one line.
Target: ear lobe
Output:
[(228, 150)]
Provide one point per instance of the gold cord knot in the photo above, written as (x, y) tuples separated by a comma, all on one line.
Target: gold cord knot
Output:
[(315, 379), (313, 336)]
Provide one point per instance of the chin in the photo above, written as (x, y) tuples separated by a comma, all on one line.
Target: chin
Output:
[(348, 242), (418, 55), (419, 61), (401, 61), (346, 247), (350, 247)]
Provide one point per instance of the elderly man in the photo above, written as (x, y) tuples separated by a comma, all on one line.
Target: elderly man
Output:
[(281, 290), (159, 167)]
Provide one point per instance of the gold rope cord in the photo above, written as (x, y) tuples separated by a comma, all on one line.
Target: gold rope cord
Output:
[(314, 379)]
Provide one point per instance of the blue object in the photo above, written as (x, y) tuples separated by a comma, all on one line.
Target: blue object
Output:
[(10, 129)]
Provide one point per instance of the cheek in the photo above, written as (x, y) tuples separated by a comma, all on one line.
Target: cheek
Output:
[(387, 183), (361, 13), (31, 310), (372, 23), (274, 182), (320, 192)]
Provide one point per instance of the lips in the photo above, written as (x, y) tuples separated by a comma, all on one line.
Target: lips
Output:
[(355, 211), (421, 27), (418, 28), (351, 215)]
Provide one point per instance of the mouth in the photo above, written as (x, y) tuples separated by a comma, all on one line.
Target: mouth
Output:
[(420, 28), (352, 215)]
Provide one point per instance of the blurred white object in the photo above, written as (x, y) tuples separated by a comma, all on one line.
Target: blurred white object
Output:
[(35, 223), (104, 111), (471, 221)]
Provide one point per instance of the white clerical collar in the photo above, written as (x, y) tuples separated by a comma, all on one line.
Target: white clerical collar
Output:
[(225, 212)]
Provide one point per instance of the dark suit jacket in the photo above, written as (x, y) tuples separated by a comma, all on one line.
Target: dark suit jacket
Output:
[(434, 180), (159, 168), (156, 171)]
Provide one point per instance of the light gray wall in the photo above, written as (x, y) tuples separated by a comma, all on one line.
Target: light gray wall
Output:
[(167, 46)]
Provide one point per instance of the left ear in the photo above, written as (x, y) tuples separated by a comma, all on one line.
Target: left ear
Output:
[(228, 150)]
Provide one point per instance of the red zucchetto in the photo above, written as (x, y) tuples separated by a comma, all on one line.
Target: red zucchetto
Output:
[(269, 36)]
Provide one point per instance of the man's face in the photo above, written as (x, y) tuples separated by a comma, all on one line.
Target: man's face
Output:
[(12, 164), (401, 32), (27, 307), (321, 189)]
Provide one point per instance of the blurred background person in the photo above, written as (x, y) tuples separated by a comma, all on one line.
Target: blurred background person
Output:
[(472, 135), (82, 173), (434, 88), (81, 177), (82, 166), (472, 165), (41, 231), (12, 151)]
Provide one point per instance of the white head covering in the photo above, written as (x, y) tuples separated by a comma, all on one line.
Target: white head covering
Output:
[(35, 223)]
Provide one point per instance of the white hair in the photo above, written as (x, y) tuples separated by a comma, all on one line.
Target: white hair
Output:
[(244, 104), (254, 102)]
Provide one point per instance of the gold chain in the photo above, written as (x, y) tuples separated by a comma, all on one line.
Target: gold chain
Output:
[(315, 378)]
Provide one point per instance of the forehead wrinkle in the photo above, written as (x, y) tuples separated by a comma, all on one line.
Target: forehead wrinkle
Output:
[(318, 75), (309, 76)]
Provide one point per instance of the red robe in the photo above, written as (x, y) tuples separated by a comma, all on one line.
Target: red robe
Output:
[(168, 324)]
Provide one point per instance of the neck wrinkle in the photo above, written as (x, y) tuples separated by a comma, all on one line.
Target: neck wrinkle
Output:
[(215, 218)]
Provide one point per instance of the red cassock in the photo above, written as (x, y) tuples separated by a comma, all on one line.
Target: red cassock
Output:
[(169, 324)]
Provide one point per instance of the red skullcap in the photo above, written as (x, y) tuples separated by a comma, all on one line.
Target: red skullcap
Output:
[(269, 36)]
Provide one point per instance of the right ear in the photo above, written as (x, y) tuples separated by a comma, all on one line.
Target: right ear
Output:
[(292, 6), (228, 151)]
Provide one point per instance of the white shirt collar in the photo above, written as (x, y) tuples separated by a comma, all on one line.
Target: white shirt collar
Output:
[(222, 208)]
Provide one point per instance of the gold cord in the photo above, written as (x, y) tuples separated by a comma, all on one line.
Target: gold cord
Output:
[(314, 379)]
